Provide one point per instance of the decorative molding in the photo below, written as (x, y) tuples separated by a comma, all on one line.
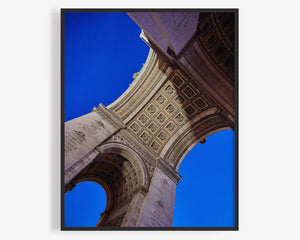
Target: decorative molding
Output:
[(168, 170), (110, 117), (155, 69), (128, 139)]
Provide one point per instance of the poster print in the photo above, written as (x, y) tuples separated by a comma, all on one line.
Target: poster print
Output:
[(149, 119)]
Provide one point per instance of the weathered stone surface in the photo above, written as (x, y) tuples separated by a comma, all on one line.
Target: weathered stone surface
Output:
[(83, 134), (159, 204), (202, 44), (173, 29)]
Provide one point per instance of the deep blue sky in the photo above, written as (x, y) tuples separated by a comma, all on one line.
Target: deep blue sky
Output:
[(102, 51)]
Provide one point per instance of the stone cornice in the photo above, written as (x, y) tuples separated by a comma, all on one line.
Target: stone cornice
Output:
[(168, 170), (109, 116), (151, 77)]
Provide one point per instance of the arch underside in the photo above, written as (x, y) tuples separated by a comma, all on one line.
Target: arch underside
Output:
[(120, 177), (174, 118), (189, 138), (177, 100)]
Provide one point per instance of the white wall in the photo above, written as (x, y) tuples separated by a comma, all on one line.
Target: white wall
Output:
[(269, 120)]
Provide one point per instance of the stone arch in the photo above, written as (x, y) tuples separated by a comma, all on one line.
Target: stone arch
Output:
[(189, 148), (195, 131), (130, 154), (155, 68), (122, 174)]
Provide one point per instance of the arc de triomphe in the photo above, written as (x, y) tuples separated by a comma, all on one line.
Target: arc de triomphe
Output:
[(185, 92)]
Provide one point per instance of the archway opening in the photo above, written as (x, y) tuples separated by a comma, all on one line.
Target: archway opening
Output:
[(205, 194), (84, 204), (119, 178)]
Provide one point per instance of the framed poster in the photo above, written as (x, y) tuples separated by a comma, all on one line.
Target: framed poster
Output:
[(149, 119)]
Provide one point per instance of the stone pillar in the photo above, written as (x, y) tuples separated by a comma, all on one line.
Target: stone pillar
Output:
[(134, 210), (83, 135), (158, 206)]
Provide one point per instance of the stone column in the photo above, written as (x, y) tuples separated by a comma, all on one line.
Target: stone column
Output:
[(134, 209), (83, 135), (158, 206)]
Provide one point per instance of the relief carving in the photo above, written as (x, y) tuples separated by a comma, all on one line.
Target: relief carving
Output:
[(100, 123), (161, 118), (177, 81), (179, 100), (169, 89), (134, 76), (170, 108), (152, 109), (189, 110), (162, 136), (189, 92), (179, 117), (155, 145), (152, 127), (135, 127), (119, 137), (160, 99), (80, 134), (143, 118), (145, 137), (150, 168), (200, 103), (170, 127)]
